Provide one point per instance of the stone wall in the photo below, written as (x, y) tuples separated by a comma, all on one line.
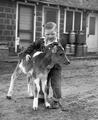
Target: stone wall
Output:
[(7, 20), (61, 21), (38, 21), (7, 26)]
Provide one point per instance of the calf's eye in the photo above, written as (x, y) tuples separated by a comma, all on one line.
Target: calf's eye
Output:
[(61, 54)]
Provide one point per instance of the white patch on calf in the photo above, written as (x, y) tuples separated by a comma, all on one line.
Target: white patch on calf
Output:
[(36, 81), (22, 67), (37, 53), (28, 57), (47, 104), (31, 71), (35, 103), (61, 46), (30, 90)]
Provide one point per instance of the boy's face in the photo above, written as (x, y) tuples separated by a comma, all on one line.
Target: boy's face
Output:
[(50, 35)]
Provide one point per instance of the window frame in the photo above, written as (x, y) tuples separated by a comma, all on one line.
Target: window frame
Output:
[(90, 30), (17, 21), (73, 21)]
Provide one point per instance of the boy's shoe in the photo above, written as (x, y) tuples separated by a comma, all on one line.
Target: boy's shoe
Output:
[(54, 104)]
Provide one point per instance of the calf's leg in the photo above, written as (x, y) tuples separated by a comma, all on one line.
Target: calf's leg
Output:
[(30, 87), (36, 93), (44, 88), (14, 76)]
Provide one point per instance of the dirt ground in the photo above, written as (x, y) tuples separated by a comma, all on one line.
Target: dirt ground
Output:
[(79, 91)]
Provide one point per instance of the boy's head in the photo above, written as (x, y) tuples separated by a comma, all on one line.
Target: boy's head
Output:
[(50, 31)]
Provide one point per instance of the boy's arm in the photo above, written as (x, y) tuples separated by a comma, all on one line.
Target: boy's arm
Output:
[(35, 46), (29, 50)]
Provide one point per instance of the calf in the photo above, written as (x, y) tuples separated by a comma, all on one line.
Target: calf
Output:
[(22, 65), (42, 63), (37, 68)]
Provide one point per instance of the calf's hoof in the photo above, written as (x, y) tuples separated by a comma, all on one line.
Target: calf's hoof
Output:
[(68, 62), (35, 104), (35, 108), (47, 105), (9, 97)]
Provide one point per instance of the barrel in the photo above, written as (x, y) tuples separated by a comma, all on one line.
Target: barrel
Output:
[(72, 37), (67, 49), (64, 39), (78, 50), (72, 49), (81, 50), (84, 50), (80, 38)]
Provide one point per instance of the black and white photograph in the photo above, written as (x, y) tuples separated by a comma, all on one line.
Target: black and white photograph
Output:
[(48, 59)]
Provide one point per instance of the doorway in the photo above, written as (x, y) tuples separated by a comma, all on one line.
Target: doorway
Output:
[(92, 32)]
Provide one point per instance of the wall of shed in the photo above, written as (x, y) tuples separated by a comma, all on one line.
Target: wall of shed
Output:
[(8, 24)]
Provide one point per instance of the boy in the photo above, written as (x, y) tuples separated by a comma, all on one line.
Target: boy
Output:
[(55, 73)]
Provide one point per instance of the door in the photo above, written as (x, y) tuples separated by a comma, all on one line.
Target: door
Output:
[(92, 33)]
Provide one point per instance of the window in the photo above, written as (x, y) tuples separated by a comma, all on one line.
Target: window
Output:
[(69, 21), (51, 15), (25, 24), (92, 26), (77, 21), (73, 21)]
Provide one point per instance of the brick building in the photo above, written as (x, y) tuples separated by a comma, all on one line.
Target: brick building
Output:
[(22, 21)]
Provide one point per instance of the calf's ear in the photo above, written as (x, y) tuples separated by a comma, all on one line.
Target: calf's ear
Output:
[(61, 46), (54, 50)]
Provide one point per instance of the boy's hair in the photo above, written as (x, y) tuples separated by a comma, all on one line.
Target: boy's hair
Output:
[(50, 26)]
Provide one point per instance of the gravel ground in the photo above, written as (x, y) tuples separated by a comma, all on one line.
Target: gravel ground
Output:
[(79, 92)]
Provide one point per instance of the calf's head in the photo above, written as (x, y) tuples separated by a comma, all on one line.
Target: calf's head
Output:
[(59, 56)]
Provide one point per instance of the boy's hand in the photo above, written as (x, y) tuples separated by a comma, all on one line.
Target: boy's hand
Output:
[(28, 57)]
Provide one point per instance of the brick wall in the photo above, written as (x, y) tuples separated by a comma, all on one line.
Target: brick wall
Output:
[(38, 21), (61, 21), (7, 26), (7, 21)]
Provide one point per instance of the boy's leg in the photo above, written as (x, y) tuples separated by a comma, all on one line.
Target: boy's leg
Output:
[(55, 76)]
